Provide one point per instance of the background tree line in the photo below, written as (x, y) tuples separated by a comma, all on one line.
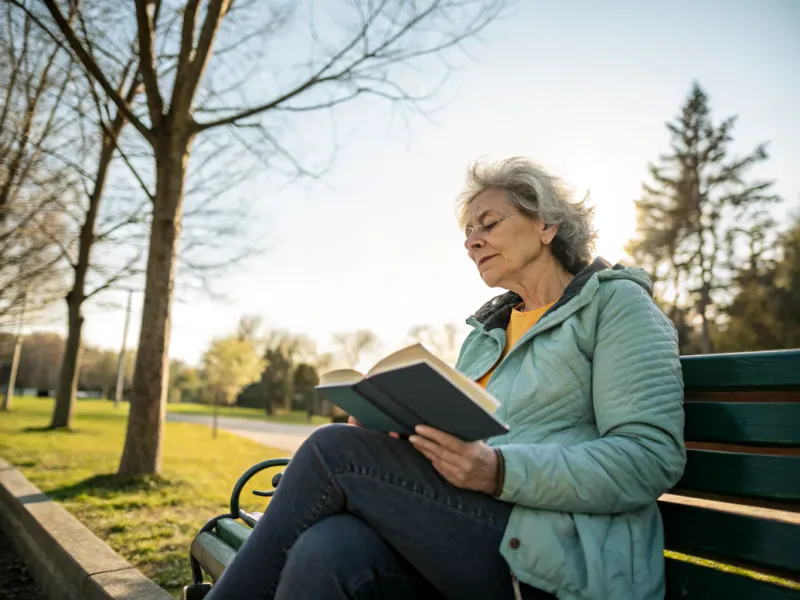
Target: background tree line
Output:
[(272, 370)]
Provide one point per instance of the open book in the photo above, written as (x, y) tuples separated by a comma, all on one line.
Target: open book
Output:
[(413, 387)]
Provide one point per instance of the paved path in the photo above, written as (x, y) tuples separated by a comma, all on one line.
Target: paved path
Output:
[(283, 436)]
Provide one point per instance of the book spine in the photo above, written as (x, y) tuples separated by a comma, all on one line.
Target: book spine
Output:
[(389, 405)]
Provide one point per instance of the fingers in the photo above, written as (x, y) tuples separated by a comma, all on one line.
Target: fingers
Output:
[(434, 451), (453, 474), (446, 440)]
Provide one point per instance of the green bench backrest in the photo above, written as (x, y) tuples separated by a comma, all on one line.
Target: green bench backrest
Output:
[(743, 439)]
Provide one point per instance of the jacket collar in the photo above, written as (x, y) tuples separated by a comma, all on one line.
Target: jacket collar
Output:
[(497, 312)]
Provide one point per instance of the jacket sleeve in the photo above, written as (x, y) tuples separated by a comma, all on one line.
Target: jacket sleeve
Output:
[(637, 394)]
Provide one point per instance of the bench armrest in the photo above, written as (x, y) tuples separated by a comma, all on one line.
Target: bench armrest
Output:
[(248, 475)]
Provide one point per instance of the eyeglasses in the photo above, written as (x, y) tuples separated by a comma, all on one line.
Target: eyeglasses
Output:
[(486, 227)]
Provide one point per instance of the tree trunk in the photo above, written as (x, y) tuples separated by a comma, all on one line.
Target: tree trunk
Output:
[(288, 392), (708, 345), (70, 362), (268, 408), (142, 452), (8, 396), (70, 365)]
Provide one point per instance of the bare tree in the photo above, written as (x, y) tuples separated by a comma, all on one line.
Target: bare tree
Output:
[(248, 326), (34, 77), (75, 137), (88, 235), (352, 345), (443, 341), (365, 60)]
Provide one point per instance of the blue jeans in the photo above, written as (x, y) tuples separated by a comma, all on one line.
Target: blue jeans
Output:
[(359, 514)]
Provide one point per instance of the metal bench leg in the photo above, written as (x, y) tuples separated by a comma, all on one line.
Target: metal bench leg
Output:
[(196, 591), (197, 572)]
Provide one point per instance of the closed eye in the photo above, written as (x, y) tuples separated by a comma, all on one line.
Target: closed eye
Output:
[(485, 228)]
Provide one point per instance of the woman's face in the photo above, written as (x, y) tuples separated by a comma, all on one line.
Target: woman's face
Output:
[(501, 240)]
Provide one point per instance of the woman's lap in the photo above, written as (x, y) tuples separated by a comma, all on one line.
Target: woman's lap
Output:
[(343, 557), (449, 536)]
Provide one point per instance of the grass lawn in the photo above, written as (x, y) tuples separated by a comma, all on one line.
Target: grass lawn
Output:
[(150, 521), (295, 417)]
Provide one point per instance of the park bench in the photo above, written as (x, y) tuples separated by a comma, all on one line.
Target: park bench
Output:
[(732, 524)]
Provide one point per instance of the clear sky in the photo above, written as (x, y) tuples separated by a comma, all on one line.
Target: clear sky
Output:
[(582, 87)]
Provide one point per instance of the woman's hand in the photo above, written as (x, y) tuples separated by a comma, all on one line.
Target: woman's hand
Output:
[(467, 465)]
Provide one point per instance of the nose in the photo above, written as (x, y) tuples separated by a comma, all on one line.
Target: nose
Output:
[(473, 242)]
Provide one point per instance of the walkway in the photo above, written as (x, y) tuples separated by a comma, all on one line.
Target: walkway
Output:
[(283, 436)]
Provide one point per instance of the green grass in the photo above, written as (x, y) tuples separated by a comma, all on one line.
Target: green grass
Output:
[(295, 417), (150, 521)]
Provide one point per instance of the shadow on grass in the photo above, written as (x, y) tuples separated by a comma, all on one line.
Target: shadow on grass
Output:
[(48, 429), (112, 485)]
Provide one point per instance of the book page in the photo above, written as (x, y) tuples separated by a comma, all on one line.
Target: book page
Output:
[(417, 353), (340, 377), (405, 356)]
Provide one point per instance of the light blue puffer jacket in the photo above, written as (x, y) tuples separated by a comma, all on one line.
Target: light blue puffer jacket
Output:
[(593, 396)]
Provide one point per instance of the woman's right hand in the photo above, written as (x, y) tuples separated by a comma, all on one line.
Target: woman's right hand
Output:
[(353, 421)]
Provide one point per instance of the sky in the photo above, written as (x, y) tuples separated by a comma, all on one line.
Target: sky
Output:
[(582, 87)]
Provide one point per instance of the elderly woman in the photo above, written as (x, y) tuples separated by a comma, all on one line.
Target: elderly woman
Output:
[(586, 370)]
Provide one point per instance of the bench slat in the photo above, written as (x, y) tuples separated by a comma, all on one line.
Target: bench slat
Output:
[(232, 532), (766, 370), (212, 553), (688, 580), (700, 531), (754, 423), (746, 475)]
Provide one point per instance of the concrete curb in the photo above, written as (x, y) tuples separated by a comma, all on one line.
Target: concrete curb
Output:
[(67, 561)]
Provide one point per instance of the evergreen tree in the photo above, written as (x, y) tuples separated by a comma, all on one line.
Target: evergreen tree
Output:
[(695, 214), (763, 314)]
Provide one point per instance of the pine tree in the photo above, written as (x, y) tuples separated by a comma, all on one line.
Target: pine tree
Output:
[(694, 215)]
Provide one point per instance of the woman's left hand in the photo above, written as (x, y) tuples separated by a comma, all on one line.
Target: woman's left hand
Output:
[(467, 465)]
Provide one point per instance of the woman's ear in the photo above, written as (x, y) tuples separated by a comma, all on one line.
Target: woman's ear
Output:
[(549, 234)]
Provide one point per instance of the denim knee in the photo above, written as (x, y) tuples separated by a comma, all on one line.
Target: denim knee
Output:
[(341, 557), (334, 434)]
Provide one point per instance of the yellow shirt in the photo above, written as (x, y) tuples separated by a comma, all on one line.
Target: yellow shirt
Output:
[(518, 324)]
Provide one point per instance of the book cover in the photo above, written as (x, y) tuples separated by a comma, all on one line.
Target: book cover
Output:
[(413, 387)]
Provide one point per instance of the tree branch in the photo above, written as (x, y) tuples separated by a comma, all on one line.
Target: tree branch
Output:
[(122, 273), (57, 242), (185, 90), (145, 22), (187, 41), (95, 70), (132, 219), (387, 52)]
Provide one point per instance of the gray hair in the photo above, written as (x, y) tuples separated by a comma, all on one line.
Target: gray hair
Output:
[(539, 195)]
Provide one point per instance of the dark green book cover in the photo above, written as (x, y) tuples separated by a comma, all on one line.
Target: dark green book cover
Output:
[(410, 388)]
